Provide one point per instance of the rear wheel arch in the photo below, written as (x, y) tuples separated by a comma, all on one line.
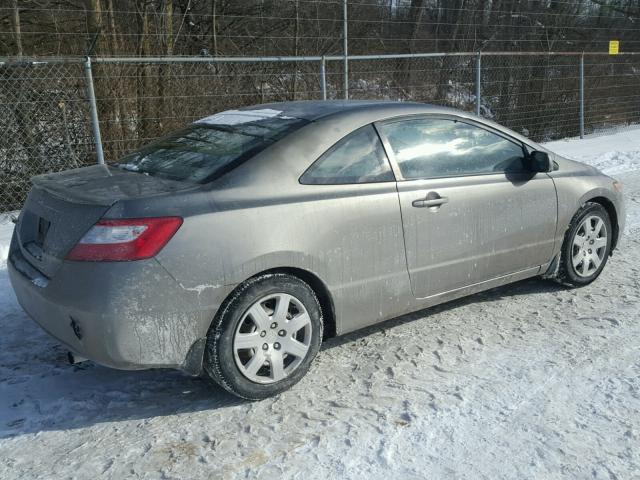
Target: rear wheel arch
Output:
[(223, 361), (194, 361), (311, 279), (321, 291)]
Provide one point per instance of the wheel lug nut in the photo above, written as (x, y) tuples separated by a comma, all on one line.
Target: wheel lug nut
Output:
[(263, 333), (589, 250), (274, 325), (276, 346), (282, 333), (265, 346)]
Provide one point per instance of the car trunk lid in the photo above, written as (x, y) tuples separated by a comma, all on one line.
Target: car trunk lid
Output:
[(61, 207)]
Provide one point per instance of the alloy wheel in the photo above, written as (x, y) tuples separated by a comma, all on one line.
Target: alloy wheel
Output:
[(589, 246), (272, 338)]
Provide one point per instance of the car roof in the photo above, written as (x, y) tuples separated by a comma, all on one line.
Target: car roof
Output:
[(315, 109), (329, 121), (373, 110)]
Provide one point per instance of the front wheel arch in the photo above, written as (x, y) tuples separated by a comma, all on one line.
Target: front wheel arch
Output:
[(564, 272), (613, 216)]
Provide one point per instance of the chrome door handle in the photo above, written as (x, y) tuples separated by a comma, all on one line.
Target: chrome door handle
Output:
[(431, 202)]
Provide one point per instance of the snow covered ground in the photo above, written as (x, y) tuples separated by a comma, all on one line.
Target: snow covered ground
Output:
[(530, 380)]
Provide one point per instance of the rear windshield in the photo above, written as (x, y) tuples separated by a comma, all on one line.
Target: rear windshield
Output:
[(205, 150)]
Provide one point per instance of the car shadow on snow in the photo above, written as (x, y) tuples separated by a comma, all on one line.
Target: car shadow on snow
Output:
[(42, 392), (523, 287), (78, 396)]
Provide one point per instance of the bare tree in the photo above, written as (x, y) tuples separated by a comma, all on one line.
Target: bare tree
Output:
[(15, 17)]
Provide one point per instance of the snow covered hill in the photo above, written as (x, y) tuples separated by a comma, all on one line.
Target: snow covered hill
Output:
[(527, 381)]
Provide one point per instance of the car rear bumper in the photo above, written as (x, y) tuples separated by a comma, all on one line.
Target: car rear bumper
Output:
[(125, 315)]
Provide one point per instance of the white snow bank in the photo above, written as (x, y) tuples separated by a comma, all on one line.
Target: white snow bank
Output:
[(6, 230), (235, 117), (614, 163), (612, 154)]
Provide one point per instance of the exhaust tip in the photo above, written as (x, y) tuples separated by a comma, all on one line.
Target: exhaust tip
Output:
[(75, 359)]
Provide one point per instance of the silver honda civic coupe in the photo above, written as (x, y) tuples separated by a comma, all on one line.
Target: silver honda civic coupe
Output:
[(231, 248)]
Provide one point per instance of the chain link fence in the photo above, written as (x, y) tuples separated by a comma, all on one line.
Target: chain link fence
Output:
[(43, 124), (46, 121), (138, 102)]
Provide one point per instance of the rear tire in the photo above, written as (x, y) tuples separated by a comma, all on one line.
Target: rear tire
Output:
[(586, 246), (265, 336)]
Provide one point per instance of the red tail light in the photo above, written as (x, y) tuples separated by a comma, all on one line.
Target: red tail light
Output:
[(125, 239)]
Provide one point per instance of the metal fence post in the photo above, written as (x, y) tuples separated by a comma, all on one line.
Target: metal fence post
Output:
[(582, 95), (478, 80), (346, 51), (323, 77), (95, 124)]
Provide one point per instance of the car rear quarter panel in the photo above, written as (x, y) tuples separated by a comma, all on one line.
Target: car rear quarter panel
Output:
[(348, 236)]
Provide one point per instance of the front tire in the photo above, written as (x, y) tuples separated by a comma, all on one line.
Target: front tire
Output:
[(586, 246), (265, 336)]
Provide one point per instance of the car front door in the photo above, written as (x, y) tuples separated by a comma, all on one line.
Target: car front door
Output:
[(471, 210)]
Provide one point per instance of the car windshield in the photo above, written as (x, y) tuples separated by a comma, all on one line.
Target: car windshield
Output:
[(210, 147)]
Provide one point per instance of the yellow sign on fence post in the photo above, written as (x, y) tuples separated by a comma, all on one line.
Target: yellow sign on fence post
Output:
[(614, 47)]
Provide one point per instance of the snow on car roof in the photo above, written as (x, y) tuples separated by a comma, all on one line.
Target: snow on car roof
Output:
[(307, 109), (235, 117)]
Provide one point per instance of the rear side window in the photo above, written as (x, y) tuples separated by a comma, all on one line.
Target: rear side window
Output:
[(206, 150), (431, 148), (357, 158)]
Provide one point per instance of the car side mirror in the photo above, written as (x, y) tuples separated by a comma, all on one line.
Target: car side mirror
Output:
[(539, 161)]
